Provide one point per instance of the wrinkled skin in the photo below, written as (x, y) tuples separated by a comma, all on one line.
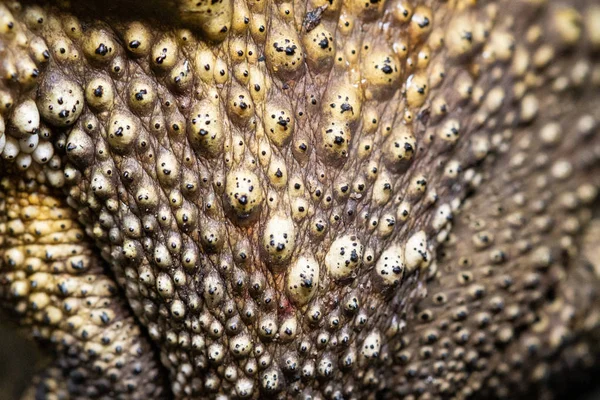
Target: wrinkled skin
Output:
[(321, 199)]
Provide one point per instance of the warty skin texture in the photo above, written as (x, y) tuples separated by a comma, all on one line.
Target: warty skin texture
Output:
[(326, 200)]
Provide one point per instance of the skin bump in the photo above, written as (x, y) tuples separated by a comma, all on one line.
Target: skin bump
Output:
[(305, 199)]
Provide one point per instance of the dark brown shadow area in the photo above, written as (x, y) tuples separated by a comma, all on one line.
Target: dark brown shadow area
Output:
[(20, 359)]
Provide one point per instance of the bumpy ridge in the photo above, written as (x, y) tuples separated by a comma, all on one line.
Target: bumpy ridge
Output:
[(54, 282)]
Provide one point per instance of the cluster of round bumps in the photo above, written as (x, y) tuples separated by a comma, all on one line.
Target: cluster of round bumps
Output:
[(271, 184)]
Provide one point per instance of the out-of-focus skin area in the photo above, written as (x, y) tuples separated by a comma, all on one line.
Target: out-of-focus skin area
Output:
[(321, 199)]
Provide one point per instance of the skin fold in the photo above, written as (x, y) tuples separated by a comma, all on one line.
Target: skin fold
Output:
[(318, 199)]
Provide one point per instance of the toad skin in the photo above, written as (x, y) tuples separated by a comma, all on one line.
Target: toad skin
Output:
[(308, 199)]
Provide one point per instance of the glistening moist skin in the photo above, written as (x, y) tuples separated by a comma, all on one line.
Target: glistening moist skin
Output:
[(312, 199)]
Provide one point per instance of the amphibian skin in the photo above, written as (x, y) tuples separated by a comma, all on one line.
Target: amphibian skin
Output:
[(318, 199)]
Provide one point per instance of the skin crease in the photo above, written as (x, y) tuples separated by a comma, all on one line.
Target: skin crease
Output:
[(316, 200)]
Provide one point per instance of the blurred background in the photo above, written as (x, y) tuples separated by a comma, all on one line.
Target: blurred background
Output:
[(19, 360)]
